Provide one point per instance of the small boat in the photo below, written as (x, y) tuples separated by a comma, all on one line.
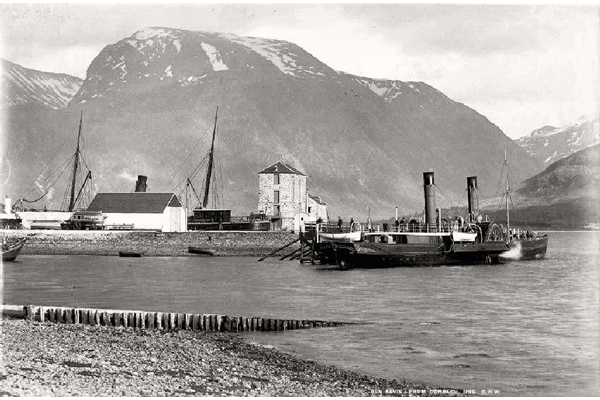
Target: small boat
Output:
[(330, 235), (201, 251), (129, 254), (11, 251)]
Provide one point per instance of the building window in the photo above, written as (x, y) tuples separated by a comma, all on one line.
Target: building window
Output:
[(275, 179), (276, 197), (309, 210)]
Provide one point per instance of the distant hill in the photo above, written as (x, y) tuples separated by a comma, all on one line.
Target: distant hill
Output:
[(22, 86), (149, 102), (575, 176), (566, 195), (549, 144)]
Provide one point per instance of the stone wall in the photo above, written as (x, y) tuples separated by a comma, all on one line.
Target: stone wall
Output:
[(223, 243)]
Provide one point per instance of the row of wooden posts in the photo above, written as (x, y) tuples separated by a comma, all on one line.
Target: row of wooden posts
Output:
[(159, 320)]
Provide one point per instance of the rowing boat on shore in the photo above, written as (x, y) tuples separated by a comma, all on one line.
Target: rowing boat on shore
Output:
[(10, 252), (129, 254), (201, 251)]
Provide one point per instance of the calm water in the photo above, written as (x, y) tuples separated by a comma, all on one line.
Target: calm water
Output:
[(521, 328)]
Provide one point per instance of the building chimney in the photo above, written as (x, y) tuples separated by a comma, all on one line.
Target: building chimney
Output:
[(471, 193), (8, 205), (428, 186), (140, 185)]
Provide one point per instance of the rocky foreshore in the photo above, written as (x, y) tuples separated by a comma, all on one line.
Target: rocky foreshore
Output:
[(46, 359)]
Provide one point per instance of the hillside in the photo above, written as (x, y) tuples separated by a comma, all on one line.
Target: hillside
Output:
[(149, 102), (21, 86)]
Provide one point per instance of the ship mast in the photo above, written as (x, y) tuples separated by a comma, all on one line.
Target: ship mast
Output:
[(210, 163), (507, 194), (75, 165)]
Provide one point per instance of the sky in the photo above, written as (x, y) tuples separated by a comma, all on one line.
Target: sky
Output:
[(521, 66)]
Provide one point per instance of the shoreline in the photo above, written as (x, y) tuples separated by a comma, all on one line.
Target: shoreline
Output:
[(46, 359), (50, 359), (150, 243)]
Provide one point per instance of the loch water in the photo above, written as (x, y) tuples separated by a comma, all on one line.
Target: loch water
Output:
[(521, 328)]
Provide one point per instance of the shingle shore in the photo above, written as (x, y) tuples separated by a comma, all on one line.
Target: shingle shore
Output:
[(45, 359)]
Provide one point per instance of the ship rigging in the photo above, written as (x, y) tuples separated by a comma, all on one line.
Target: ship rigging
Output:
[(73, 199)]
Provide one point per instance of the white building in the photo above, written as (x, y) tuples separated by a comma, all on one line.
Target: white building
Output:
[(141, 211), (283, 195)]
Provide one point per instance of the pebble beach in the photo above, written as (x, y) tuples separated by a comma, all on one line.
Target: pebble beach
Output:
[(48, 359), (40, 359)]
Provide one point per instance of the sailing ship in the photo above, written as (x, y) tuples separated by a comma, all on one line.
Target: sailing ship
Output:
[(11, 251), (433, 242), (204, 218), (73, 195), (524, 244)]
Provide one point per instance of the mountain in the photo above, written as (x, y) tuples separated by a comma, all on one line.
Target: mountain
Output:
[(149, 104), (27, 86), (575, 176), (549, 143), (563, 196)]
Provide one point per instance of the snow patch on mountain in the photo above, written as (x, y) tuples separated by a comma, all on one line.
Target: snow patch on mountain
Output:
[(550, 143), (391, 90), (215, 57), (271, 50)]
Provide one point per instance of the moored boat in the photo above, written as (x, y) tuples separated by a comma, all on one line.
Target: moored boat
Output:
[(129, 254), (328, 233), (201, 251), (11, 251), (433, 242)]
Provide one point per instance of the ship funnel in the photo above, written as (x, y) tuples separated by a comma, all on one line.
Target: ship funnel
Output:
[(140, 185), (471, 194), (428, 186), (7, 205)]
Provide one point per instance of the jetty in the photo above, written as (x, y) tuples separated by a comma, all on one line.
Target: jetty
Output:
[(310, 248)]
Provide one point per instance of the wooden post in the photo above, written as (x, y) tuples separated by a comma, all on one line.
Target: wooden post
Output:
[(42, 314), (30, 312), (104, 318), (172, 325), (281, 248), (188, 321), (151, 319), (180, 321), (159, 322), (165, 321), (301, 246)]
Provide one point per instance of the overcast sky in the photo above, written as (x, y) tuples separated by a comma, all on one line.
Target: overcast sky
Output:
[(522, 67)]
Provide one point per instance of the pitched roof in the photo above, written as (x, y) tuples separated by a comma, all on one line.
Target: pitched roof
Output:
[(137, 202), (281, 168)]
